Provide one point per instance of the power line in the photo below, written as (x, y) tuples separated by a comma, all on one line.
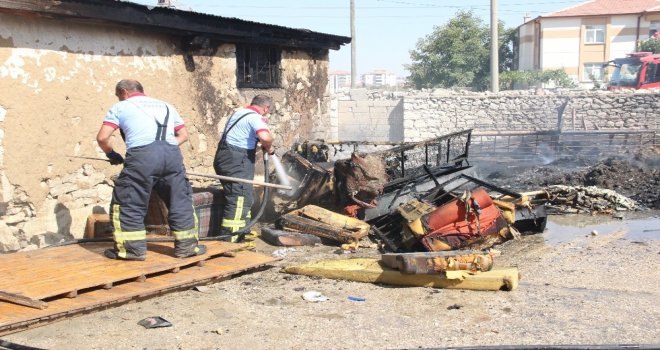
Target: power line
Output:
[(414, 6), (502, 4)]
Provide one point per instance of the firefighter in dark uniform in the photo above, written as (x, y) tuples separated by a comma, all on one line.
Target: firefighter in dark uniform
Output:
[(235, 157), (153, 131)]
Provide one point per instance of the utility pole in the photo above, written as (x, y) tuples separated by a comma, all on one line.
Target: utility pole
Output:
[(353, 46), (494, 49)]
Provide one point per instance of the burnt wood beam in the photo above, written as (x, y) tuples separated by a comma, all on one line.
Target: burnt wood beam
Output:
[(173, 21)]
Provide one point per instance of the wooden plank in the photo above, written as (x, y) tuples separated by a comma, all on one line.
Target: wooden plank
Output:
[(371, 271), (50, 272), (22, 300), (14, 318)]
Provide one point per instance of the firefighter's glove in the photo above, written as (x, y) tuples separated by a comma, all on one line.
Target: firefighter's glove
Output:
[(114, 157)]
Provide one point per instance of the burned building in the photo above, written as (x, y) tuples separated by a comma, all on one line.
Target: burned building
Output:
[(60, 60)]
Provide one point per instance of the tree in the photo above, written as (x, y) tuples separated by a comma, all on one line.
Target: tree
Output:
[(528, 78), (458, 54), (651, 45), (506, 37)]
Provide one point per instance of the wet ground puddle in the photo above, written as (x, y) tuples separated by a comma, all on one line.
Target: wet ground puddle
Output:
[(638, 226)]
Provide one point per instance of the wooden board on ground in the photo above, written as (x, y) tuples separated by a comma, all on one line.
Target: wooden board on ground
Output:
[(14, 317), (51, 272), (372, 271)]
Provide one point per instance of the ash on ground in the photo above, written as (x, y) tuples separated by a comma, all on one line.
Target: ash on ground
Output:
[(636, 176)]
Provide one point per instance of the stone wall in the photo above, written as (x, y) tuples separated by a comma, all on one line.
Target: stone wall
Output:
[(367, 119), (428, 114), (57, 81)]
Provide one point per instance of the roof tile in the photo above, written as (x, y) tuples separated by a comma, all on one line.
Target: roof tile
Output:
[(608, 7)]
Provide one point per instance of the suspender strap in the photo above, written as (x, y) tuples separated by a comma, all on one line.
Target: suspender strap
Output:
[(224, 133), (162, 128)]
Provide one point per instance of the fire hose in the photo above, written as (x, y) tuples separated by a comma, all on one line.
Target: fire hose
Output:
[(241, 233)]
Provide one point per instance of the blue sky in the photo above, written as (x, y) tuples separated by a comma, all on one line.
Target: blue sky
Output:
[(386, 30)]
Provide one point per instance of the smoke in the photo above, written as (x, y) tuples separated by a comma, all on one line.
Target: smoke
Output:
[(546, 154)]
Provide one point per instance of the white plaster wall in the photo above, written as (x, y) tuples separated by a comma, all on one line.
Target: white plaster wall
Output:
[(624, 43), (621, 46), (629, 21), (526, 49), (78, 48), (560, 51)]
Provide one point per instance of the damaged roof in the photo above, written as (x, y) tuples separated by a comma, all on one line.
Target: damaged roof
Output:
[(173, 21)]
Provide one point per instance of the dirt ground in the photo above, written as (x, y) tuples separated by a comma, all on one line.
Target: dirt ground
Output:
[(576, 288), (585, 280)]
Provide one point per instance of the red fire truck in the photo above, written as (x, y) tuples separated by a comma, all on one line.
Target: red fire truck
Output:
[(639, 70)]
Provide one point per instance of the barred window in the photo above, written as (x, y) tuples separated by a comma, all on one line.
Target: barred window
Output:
[(258, 66)]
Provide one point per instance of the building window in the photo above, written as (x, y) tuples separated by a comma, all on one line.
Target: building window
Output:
[(258, 66), (595, 34), (593, 71), (654, 30)]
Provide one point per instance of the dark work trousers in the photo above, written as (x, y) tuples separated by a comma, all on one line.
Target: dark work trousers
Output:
[(157, 166), (235, 162)]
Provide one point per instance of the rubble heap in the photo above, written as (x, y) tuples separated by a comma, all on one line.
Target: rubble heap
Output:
[(591, 199), (636, 177)]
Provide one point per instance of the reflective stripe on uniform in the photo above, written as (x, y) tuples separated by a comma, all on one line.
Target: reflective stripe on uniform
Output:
[(237, 223), (130, 235), (123, 236), (233, 225), (239, 208), (187, 234)]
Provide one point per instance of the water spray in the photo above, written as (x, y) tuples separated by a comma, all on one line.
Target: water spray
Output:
[(283, 178)]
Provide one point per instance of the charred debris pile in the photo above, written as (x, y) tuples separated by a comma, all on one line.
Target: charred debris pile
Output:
[(418, 197), (416, 201), (633, 180), (423, 206)]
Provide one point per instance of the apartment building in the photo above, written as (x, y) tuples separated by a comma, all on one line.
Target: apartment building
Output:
[(581, 38), (379, 77), (339, 79)]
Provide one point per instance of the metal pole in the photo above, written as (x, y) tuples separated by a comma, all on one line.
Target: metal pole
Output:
[(353, 46), (236, 179), (494, 49)]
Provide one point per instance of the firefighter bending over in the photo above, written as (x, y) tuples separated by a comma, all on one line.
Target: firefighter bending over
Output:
[(153, 131), (235, 157)]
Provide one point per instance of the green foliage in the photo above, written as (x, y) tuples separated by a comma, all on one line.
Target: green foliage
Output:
[(506, 38), (535, 78), (457, 54), (651, 45)]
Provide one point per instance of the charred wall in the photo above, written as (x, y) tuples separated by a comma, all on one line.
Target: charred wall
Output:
[(305, 80), (58, 82)]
